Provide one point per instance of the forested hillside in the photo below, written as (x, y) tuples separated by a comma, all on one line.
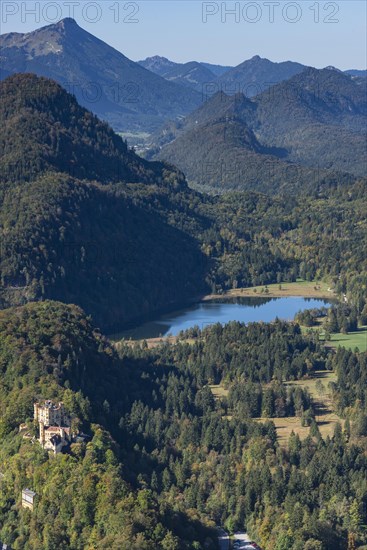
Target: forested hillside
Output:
[(86, 498), (301, 134), (81, 243), (75, 227), (86, 221), (68, 235), (165, 461), (45, 129)]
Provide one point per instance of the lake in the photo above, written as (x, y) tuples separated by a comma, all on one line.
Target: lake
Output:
[(245, 310)]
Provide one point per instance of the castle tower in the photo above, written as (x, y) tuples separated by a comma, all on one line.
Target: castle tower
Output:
[(42, 433)]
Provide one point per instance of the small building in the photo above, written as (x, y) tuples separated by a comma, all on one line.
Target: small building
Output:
[(28, 498)]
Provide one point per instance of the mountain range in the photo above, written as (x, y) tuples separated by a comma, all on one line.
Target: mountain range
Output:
[(256, 75), (357, 72), (136, 98), (117, 89), (193, 74), (250, 77), (175, 444), (299, 132), (163, 66)]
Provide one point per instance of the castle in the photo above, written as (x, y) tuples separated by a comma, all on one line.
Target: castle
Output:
[(54, 426), (50, 414)]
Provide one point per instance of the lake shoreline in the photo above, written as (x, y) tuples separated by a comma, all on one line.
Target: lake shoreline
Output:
[(222, 310), (298, 289), (304, 289)]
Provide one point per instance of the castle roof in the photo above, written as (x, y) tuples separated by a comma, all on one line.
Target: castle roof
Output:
[(51, 405), (29, 493), (57, 429)]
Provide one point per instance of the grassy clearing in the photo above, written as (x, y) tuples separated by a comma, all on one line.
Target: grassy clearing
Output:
[(285, 426), (351, 340), (218, 391), (152, 342), (306, 289), (311, 384), (325, 416)]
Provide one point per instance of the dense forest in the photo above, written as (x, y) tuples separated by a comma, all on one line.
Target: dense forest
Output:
[(165, 461), (86, 498), (103, 231), (45, 129), (300, 134)]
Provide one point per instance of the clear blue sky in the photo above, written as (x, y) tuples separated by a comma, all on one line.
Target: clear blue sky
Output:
[(311, 32)]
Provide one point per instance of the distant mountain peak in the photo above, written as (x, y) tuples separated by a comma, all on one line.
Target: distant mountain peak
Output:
[(45, 40), (101, 77), (66, 25), (158, 64), (332, 68), (158, 58), (329, 71), (67, 22)]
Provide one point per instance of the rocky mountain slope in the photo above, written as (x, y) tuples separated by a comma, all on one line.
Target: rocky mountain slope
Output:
[(103, 79)]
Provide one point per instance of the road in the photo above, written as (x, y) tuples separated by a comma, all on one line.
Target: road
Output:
[(223, 538), (224, 541), (242, 537)]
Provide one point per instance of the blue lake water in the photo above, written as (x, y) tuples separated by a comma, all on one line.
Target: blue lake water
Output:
[(245, 310)]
